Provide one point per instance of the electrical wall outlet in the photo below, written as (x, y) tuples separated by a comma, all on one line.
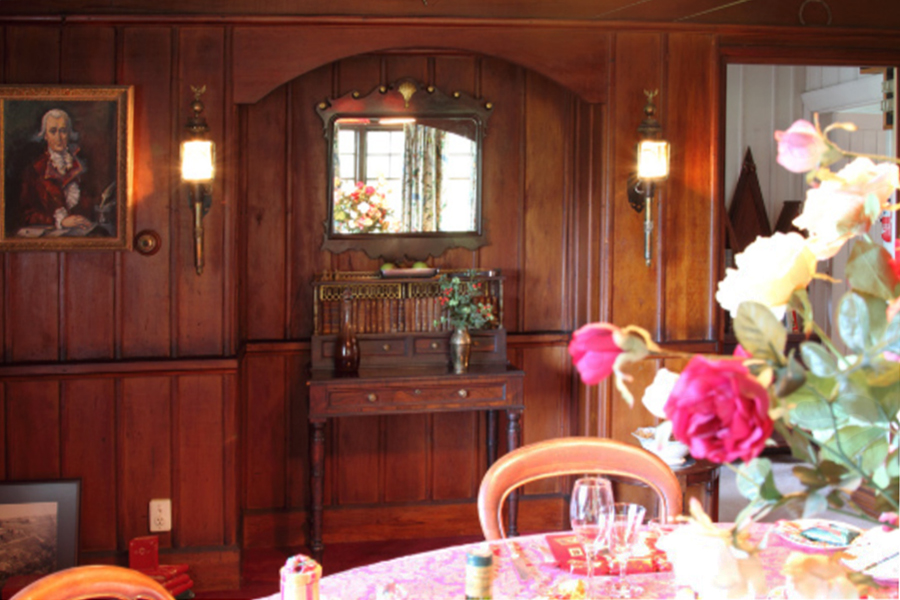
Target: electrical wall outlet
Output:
[(161, 515)]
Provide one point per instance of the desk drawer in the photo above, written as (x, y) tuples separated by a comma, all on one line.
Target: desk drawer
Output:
[(385, 398)]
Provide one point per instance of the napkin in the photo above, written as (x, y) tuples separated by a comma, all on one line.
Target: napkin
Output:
[(569, 555)]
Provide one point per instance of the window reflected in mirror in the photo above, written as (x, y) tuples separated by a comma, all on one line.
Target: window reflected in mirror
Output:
[(400, 175)]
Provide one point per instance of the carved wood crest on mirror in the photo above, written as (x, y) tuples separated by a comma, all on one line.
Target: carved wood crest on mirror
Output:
[(404, 166)]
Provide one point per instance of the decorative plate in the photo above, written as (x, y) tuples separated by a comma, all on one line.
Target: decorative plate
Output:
[(875, 553), (817, 534)]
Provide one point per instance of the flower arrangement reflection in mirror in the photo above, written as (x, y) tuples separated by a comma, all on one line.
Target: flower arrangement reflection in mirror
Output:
[(838, 411)]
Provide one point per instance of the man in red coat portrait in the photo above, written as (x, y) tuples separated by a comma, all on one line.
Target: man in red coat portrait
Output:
[(51, 193)]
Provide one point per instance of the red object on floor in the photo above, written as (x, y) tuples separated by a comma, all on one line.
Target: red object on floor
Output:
[(15, 584), (143, 552)]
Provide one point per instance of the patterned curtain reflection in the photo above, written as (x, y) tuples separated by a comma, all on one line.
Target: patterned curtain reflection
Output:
[(422, 177)]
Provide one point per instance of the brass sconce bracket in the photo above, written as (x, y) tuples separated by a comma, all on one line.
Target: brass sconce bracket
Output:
[(199, 184)]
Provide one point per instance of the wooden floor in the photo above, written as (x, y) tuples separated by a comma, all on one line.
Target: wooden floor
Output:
[(259, 571)]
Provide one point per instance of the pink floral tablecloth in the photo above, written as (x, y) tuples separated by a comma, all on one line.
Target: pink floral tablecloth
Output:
[(440, 574)]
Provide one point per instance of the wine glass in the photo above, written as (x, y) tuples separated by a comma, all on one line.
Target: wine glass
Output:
[(592, 500), (624, 520)]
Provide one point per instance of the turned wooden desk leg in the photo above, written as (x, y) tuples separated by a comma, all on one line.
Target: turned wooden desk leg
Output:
[(317, 487), (514, 435), (491, 437)]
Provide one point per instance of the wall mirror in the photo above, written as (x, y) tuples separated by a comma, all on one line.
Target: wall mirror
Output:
[(404, 166)]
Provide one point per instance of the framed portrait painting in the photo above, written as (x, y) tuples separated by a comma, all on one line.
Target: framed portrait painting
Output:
[(39, 521), (65, 167)]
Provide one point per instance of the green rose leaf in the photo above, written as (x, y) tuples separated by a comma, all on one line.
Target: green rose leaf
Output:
[(809, 477), (869, 269), (818, 359), (875, 455), (891, 337), (850, 441), (892, 464), (759, 332), (756, 481), (816, 503), (806, 407), (853, 322), (801, 448), (862, 409)]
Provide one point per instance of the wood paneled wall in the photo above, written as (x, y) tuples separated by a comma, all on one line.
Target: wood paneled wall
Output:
[(144, 380), (529, 166)]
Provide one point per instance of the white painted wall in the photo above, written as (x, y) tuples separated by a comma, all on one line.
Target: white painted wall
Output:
[(763, 98)]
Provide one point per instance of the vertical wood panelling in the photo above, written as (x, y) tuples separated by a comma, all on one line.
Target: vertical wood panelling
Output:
[(232, 477), (297, 466), (634, 286), (88, 434), (32, 430), (144, 447), (264, 220), (636, 69), (308, 191), (546, 203), (503, 189), (456, 467), (199, 496), (405, 458), (146, 280), (4, 439), (199, 299), (689, 205), (547, 401), (89, 57), (32, 56), (264, 431)]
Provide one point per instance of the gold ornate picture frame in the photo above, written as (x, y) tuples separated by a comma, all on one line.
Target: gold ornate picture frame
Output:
[(65, 167)]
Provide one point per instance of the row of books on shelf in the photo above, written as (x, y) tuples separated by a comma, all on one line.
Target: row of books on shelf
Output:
[(385, 315)]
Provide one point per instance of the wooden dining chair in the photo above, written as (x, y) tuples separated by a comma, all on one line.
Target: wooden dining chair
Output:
[(573, 456), (94, 581)]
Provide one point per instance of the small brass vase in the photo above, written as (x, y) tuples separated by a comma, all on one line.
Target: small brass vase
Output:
[(460, 349)]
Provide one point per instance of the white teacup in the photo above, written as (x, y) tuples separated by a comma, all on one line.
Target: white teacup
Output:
[(658, 441)]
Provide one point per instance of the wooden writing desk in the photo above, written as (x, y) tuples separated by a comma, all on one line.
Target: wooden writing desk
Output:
[(419, 389)]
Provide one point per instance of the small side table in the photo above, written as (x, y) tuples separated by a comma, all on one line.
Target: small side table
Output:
[(384, 391), (700, 480)]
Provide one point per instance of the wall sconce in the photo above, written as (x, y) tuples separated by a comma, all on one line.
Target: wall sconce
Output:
[(198, 159), (653, 166)]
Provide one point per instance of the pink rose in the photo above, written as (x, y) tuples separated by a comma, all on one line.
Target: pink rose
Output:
[(594, 351), (801, 147), (719, 410), (891, 519), (739, 352)]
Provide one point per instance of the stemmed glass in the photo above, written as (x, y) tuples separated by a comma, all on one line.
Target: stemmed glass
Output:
[(589, 510), (624, 521)]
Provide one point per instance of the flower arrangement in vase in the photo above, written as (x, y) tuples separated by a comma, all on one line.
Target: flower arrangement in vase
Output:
[(364, 209), (463, 308), (838, 411)]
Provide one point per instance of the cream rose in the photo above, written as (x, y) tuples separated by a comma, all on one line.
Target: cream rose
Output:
[(704, 559), (657, 393), (836, 211), (816, 577), (768, 271)]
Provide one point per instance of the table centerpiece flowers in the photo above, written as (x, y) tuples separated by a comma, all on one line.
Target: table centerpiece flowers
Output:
[(837, 409)]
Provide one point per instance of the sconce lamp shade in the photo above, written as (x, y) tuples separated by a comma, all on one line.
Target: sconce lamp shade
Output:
[(653, 159), (197, 160)]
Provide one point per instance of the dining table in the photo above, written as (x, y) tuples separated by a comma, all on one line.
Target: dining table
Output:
[(534, 574)]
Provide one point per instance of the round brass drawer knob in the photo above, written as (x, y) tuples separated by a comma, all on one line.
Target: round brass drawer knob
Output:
[(435, 345), (418, 392), (371, 397), (463, 393), (386, 347)]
